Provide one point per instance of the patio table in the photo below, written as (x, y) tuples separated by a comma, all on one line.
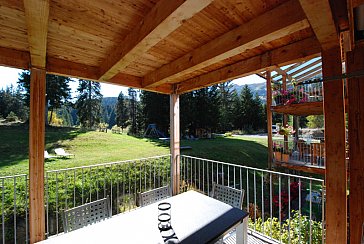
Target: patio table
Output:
[(195, 218)]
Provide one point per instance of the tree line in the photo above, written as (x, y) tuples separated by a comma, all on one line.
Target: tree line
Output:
[(219, 108)]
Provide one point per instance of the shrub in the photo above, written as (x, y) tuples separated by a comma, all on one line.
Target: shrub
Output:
[(116, 129), (293, 230), (228, 134), (11, 117)]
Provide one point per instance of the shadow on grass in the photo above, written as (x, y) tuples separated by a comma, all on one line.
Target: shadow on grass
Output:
[(225, 149), (230, 150), (14, 141)]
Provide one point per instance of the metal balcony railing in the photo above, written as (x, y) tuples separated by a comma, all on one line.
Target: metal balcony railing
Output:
[(309, 152), (286, 207), (297, 93)]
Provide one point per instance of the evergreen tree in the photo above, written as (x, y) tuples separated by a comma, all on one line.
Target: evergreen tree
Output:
[(247, 109), (11, 101), (186, 113), (236, 107), (58, 91), (155, 108), (226, 110), (122, 115), (88, 103), (205, 109), (132, 110), (258, 117)]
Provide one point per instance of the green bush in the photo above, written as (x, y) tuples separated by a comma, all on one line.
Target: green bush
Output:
[(11, 117), (295, 230), (228, 134)]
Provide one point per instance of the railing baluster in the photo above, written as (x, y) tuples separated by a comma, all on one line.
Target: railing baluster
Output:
[(289, 209), (262, 199), (299, 207), (26, 210), (2, 209), (47, 204), (280, 208), (247, 189), (57, 230), (310, 210), (271, 203), (255, 201), (14, 210)]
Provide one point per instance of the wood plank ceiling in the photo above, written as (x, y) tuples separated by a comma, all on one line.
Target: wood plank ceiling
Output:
[(159, 45)]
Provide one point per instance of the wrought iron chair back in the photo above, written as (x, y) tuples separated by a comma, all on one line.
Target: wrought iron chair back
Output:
[(86, 214), (154, 195), (228, 195)]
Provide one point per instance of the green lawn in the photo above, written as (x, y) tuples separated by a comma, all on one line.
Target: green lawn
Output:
[(98, 147)]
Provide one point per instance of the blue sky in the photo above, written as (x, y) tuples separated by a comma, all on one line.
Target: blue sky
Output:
[(9, 76)]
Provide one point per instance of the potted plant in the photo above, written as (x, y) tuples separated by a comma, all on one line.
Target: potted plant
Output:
[(277, 150), (286, 131), (285, 155)]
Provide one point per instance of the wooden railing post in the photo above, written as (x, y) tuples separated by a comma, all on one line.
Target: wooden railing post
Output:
[(355, 91), (335, 178), (175, 142), (269, 118), (36, 154)]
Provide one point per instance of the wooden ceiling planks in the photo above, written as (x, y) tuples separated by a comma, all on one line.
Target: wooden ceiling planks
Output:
[(298, 51), (206, 25), (163, 19), (13, 32), (83, 35), (265, 28)]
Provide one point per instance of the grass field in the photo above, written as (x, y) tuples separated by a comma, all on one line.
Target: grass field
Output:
[(98, 147)]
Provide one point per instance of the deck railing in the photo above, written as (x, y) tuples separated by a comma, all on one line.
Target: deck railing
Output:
[(67, 188), (270, 196), (286, 207), (14, 209), (308, 152), (297, 93)]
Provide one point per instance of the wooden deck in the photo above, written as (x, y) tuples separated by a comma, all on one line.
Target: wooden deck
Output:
[(302, 166)]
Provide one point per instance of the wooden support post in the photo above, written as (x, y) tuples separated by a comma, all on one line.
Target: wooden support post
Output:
[(269, 118), (335, 178), (355, 62), (36, 155), (175, 142)]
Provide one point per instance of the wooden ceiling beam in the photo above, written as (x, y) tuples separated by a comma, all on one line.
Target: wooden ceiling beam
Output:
[(282, 72), (267, 27), (295, 52), (163, 19), (136, 82), (321, 19), (36, 15), (14, 58), (70, 69)]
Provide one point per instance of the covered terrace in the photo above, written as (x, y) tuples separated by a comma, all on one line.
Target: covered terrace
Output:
[(173, 47)]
